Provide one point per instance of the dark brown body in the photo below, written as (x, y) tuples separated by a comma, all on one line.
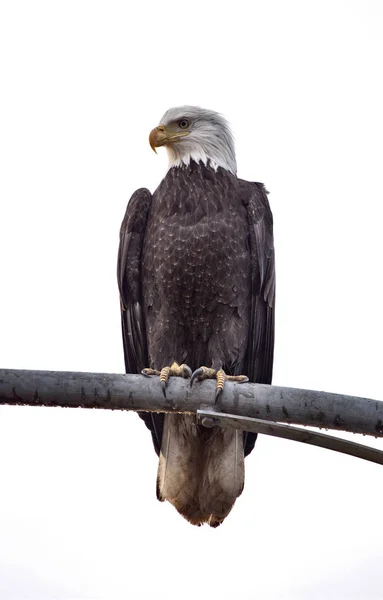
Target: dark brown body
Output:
[(197, 271), (197, 283)]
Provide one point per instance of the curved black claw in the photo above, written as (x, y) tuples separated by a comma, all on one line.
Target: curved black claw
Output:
[(163, 387), (197, 373), (218, 392), (187, 372)]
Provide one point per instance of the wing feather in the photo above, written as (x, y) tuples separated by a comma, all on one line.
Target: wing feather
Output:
[(260, 353), (261, 344), (129, 276)]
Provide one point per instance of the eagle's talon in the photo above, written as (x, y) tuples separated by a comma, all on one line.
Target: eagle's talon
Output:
[(149, 372), (237, 378), (219, 375), (175, 370), (202, 373), (187, 371), (218, 392), (196, 375)]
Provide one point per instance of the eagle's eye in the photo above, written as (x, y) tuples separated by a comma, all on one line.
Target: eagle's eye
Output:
[(183, 124)]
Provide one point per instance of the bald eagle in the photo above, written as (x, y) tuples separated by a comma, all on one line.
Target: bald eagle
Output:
[(197, 284)]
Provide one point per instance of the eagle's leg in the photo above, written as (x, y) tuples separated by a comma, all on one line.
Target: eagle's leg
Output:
[(219, 375), (175, 370)]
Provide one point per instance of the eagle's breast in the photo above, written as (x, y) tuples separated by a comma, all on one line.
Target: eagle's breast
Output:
[(196, 247)]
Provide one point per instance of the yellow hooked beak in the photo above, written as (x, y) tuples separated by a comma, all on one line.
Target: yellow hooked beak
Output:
[(159, 136)]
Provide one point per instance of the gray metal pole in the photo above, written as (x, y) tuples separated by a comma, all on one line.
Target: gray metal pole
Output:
[(136, 392), (211, 418)]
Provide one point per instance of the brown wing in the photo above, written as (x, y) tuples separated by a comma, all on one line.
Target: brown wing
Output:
[(129, 280), (260, 354), (261, 340), (129, 276)]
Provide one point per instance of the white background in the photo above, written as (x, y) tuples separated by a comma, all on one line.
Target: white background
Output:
[(82, 84)]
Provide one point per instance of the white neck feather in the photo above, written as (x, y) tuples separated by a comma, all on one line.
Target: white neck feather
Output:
[(198, 155), (214, 154)]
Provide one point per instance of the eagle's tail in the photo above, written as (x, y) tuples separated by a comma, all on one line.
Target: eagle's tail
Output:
[(201, 471)]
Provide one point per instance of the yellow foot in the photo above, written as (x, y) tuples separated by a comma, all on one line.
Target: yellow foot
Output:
[(175, 370), (220, 375)]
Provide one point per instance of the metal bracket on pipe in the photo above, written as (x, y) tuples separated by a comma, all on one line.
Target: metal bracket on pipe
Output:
[(210, 418)]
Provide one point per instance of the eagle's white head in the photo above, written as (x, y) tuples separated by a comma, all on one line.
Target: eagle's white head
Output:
[(194, 133)]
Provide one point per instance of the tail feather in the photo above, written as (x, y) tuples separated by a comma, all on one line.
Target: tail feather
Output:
[(200, 471), (224, 474), (179, 466)]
